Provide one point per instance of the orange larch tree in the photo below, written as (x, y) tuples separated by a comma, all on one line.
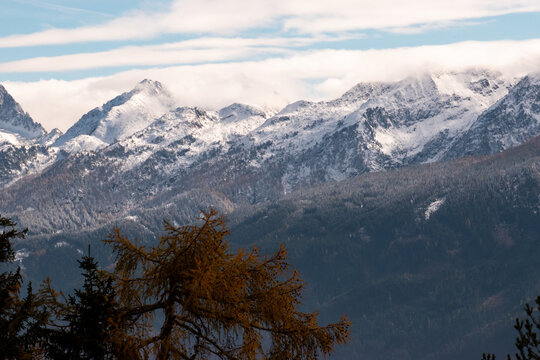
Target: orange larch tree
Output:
[(191, 297)]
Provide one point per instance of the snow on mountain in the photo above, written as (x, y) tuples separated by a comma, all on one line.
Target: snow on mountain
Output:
[(138, 148), (401, 118), (20, 156), (119, 118), (23, 142), (303, 123), (177, 135), (14, 121), (140, 128), (10, 138), (82, 143), (374, 126), (240, 119), (49, 138), (433, 207), (180, 137), (418, 120), (20, 159), (509, 122)]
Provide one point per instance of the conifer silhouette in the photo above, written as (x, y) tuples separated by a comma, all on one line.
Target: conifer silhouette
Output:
[(20, 319), (83, 323)]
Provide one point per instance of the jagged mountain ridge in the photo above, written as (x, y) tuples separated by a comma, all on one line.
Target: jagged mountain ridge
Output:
[(248, 155), (412, 121), (506, 124), (117, 119), (14, 121), (24, 143)]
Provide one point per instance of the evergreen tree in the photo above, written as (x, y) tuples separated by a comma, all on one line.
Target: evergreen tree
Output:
[(20, 320), (528, 340), (83, 323)]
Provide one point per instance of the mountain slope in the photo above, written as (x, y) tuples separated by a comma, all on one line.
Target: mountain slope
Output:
[(246, 155), (14, 121), (510, 122), (23, 142), (117, 119), (429, 262), (408, 122)]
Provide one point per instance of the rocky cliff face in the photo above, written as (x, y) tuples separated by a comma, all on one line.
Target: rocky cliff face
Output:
[(24, 144), (14, 121), (511, 121)]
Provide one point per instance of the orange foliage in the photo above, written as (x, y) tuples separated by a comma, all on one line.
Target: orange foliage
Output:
[(212, 302)]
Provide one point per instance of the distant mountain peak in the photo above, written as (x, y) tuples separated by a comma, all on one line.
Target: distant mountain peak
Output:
[(150, 86), (122, 116), (511, 121), (364, 90), (237, 111), (149, 82), (13, 119)]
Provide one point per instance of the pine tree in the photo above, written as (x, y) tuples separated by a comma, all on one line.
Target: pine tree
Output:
[(9, 233), (20, 320), (82, 324), (528, 340)]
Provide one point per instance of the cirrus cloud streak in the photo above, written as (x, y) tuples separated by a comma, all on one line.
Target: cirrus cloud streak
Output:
[(300, 16), (201, 50)]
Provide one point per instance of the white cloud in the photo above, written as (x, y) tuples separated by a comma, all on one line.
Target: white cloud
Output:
[(342, 15), (421, 28), (129, 56), (304, 16), (274, 82), (199, 50)]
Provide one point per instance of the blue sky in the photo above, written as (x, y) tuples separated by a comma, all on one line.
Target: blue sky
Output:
[(77, 54)]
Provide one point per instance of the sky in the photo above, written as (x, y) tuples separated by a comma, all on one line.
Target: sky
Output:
[(61, 58)]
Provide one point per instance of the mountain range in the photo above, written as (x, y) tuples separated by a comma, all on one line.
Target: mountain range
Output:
[(381, 195), (250, 155)]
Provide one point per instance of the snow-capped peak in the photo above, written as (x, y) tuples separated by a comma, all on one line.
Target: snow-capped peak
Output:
[(534, 78), (363, 91), (120, 117), (237, 111), (14, 120), (151, 87)]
